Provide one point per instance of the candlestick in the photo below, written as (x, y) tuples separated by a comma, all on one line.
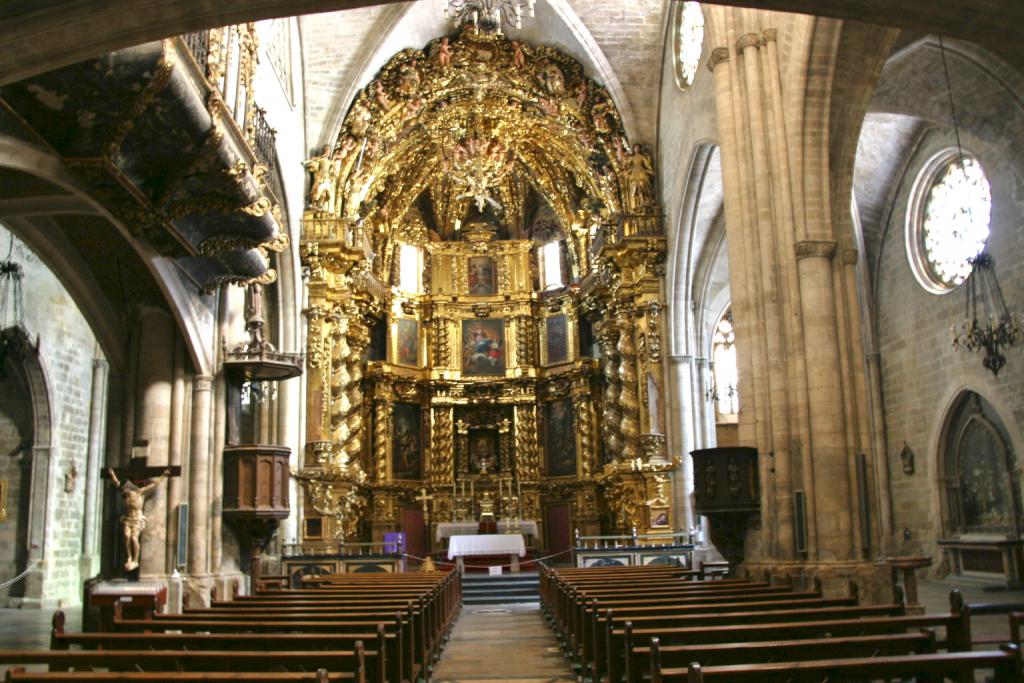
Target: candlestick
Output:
[(454, 493), (471, 494), (519, 489)]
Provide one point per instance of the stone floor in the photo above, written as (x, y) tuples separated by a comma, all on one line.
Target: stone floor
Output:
[(502, 643)]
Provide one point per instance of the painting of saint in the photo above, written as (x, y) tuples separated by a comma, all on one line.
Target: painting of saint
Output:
[(560, 438), (407, 342), (483, 347), (557, 337), (481, 276), (406, 450), (483, 452)]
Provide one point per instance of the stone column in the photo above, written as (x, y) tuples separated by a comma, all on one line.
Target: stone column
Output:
[(199, 482), (157, 336), (831, 504), (682, 426), (179, 394), (90, 563)]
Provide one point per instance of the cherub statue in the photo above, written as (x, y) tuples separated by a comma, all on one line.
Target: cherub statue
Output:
[(518, 58), (133, 522), (444, 53), (382, 97)]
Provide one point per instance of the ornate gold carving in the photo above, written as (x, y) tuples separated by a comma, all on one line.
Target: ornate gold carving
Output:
[(441, 446), (527, 453), (584, 432), (628, 400)]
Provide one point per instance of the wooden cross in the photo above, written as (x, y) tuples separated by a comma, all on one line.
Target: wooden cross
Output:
[(137, 471)]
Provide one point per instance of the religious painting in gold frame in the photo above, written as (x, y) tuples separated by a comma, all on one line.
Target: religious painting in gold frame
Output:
[(660, 518), (484, 453), (481, 275), (556, 329), (407, 342), (483, 347), (560, 438), (406, 441)]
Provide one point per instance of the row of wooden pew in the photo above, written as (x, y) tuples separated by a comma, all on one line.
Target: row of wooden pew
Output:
[(350, 627), (665, 625)]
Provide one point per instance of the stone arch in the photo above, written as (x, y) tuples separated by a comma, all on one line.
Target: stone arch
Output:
[(20, 353), (969, 414)]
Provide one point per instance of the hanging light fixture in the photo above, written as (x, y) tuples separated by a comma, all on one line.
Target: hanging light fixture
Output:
[(489, 15), (988, 324)]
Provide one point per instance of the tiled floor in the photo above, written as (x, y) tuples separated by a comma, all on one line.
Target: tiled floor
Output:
[(502, 643)]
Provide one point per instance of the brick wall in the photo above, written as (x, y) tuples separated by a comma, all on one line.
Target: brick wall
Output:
[(921, 373), (67, 349)]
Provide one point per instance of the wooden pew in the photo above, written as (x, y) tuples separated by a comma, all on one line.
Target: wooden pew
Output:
[(720, 654), (347, 665), (17, 674), (1005, 665)]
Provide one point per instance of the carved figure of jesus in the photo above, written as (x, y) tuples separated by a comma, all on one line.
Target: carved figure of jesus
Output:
[(133, 521)]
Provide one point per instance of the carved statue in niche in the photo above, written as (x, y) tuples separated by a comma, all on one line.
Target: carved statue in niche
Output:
[(325, 168), (638, 176)]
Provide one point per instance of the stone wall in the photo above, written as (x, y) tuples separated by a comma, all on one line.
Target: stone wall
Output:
[(921, 374), (67, 348)]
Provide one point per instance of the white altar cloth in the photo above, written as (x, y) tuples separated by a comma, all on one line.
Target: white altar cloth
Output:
[(449, 529), (486, 544)]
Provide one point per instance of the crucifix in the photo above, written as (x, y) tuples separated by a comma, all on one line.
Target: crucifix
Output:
[(424, 499), (134, 483)]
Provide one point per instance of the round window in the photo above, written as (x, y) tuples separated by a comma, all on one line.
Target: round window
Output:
[(689, 42), (950, 221)]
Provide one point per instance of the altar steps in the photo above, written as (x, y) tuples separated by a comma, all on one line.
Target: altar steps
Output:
[(480, 589)]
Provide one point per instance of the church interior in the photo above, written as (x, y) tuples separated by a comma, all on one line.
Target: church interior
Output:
[(398, 296)]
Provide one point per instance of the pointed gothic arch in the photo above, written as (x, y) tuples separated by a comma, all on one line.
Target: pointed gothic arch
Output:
[(21, 367)]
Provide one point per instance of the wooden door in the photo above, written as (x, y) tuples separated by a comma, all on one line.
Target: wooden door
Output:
[(559, 530), (415, 530)]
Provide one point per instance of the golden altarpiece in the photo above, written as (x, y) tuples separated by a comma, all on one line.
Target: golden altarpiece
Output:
[(436, 391)]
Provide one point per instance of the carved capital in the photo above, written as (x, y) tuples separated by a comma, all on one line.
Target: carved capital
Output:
[(769, 35), (718, 55), (201, 383), (819, 248), (748, 40), (849, 257)]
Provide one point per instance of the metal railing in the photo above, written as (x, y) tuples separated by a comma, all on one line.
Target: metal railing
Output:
[(198, 43)]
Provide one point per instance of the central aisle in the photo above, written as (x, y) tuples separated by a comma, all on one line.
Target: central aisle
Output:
[(502, 643)]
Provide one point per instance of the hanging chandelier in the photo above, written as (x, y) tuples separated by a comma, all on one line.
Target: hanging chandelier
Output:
[(987, 325), (489, 15)]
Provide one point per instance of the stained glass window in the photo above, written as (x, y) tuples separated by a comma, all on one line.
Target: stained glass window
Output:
[(410, 268), (551, 262), (955, 220), (689, 42), (726, 376)]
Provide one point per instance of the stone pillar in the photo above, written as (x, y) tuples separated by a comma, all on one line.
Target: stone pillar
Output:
[(682, 426), (199, 482), (157, 336), (90, 564), (179, 394), (832, 503), (216, 476)]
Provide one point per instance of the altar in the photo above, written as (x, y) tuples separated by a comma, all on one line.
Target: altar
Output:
[(446, 530), (487, 544)]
